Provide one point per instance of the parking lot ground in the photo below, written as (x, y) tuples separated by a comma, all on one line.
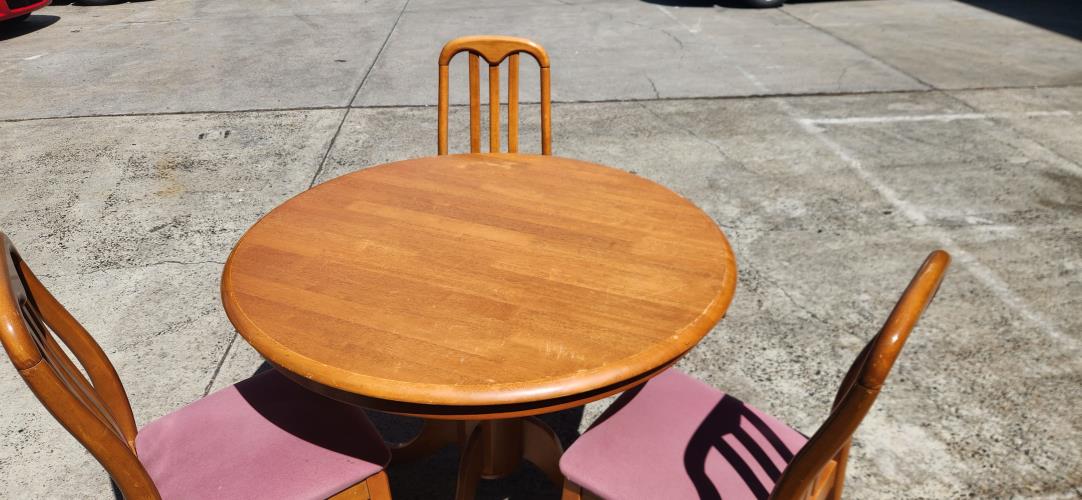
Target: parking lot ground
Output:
[(835, 143)]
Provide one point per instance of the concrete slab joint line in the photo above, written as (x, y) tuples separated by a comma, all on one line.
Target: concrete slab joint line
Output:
[(322, 163), (763, 94), (221, 362), (858, 49), (345, 115)]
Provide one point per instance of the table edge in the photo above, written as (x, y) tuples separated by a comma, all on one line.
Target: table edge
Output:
[(377, 392)]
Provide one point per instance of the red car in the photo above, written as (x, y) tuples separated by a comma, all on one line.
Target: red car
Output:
[(17, 10)]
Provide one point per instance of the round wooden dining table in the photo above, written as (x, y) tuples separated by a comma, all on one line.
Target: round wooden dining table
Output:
[(476, 291)]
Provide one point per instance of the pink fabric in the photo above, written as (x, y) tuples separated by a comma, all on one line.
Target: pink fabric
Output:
[(265, 437), (678, 438)]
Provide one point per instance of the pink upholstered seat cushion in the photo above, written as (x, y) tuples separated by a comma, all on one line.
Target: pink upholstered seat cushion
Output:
[(678, 438), (265, 437)]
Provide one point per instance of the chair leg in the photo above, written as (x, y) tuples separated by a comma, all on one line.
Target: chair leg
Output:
[(379, 487), (835, 492), (376, 487), (572, 491)]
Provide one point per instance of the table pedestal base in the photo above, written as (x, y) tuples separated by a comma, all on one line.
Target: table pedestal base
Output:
[(491, 449)]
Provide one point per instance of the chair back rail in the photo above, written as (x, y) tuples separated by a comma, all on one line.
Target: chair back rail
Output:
[(92, 407), (494, 49), (818, 469)]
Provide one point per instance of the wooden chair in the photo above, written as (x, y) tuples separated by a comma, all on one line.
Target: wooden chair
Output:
[(494, 49), (263, 437), (676, 437)]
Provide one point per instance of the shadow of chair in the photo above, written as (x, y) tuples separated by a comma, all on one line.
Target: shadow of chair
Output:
[(437, 474), (659, 442), (262, 434), (724, 421)]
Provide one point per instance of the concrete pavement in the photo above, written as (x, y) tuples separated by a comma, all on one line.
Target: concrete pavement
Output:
[(836, 143)]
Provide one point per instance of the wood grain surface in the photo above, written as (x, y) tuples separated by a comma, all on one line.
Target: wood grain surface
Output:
[(468, 281), (494, 49)]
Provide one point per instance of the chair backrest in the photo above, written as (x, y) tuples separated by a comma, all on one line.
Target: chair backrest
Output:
[(818, 469), (95, 411), (494, 49)]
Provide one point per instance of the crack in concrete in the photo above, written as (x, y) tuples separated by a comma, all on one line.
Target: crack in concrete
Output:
[(687, 130), (653, 86), (125, 268), (841, 76), (170, 327), (322, 164), (796, 303), (364, 79), (674, 38), (182, 263), (308, 22)]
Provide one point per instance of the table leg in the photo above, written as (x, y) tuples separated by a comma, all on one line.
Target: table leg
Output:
[(501, 445), (434, 436), (495, 449), (542, 447), (491, 449), (469, 467)]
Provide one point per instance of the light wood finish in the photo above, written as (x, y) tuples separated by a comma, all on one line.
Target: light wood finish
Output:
[(479, 289), (475, 106), (470, 463), (573, 491), (494, 49), (817, 471), (377, 487), (501, 447), (495, 448), (512, 104), (493, 109), (478, 286), (542, 447), (478, 412), (95, 411)]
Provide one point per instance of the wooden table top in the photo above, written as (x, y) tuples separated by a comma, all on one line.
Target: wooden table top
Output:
[(452, 284)]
